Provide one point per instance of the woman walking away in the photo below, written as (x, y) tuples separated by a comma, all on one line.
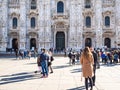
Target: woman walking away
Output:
[(39, 65), (50, 61), (87, 62)]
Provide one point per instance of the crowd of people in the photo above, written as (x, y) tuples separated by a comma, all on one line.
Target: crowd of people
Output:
[(24, 54), (88, 58)]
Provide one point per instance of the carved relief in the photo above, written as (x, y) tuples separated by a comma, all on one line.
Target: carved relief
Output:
[(107, 13), (108, 3), (14, 14)]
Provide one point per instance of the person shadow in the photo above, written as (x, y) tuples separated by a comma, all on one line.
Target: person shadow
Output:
[(78, 88), (18, 77)]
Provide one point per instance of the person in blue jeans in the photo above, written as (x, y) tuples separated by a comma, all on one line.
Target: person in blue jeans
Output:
[(44, 63)]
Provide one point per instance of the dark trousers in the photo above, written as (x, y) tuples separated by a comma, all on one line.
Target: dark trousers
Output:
[(44, 65), (73, 61), (94, 77), (86, 83)]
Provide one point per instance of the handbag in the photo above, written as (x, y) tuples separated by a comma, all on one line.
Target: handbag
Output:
[(51, 58)]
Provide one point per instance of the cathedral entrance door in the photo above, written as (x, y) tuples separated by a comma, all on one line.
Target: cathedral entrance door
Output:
[(32, 43), (88, 42), (60, 41), (107, 42), (14, 44)]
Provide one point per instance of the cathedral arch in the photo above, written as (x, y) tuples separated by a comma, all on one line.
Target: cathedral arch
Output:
[(107, 42), (32, 43), (14, 43), (88, 42), (60, 40)]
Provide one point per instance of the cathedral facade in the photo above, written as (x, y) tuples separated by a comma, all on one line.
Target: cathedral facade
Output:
[(59, 24)]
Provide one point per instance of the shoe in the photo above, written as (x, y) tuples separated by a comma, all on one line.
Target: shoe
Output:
[(43, 77), (93, 84), (91, 88), (51, 72), (46, 76), (35, 72)]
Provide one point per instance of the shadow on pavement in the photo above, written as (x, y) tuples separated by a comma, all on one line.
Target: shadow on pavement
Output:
[(18, 77), (31, 63), (60, 67), (78, 88), (110, 65), (76, 70)]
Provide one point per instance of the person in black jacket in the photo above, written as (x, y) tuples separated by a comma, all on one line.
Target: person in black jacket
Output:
[(95, 63)]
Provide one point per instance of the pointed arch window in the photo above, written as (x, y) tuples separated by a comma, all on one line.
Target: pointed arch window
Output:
[(88, 21), (87, 3), (15, 21), (33, 4), (107, 21), (60, 7), (33, 22)]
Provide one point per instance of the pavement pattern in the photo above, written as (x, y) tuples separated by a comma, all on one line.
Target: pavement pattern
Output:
[(19, 75)]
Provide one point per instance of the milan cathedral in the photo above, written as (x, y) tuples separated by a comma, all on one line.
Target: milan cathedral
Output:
[(59, 24)]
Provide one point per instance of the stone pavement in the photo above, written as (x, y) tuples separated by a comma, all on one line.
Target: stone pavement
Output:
[(19, 75)]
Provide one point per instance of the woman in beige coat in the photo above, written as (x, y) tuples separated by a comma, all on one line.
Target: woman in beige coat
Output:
[(87, 66)]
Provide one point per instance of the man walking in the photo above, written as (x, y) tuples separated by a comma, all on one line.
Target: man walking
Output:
[(94, 66)]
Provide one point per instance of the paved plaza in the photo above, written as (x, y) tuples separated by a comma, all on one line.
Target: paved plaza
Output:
[(19, 75)]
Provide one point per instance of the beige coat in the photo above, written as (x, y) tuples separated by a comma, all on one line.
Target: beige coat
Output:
[(87, 66)]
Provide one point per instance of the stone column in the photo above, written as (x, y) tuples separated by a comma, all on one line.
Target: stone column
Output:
[(72, 31), (4, 24), (80, 25), (117, 22), (48, 24), (40, 23), (98, 23), (22, 25)]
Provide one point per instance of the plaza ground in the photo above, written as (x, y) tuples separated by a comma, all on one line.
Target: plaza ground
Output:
[(19, 75)]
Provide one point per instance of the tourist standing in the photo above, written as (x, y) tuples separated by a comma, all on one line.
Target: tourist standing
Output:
[(87, 62), (95, 59), (44, 63), (70, 57), (16, 53), (78, 57), (73, 58), (50, 61), (35, 53)]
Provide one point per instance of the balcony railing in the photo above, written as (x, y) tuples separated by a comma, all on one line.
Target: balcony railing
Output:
[(108, 27), (32, 30), (63, 15), (87, 28), (14, 31), (33, 11)]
